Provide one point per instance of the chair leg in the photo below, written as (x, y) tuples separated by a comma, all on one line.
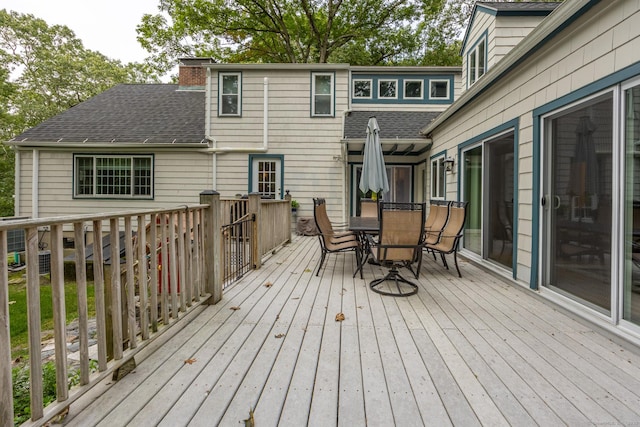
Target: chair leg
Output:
[(321, 262), (455, 259), (444, 260)]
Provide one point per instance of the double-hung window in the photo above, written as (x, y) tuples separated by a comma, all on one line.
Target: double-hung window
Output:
[(229, 89), (107, 176), (437, 178), (322, 94), (477, 62)]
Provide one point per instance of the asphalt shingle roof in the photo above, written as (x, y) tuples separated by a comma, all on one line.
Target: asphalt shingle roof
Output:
[(128, 113), (393, 124)]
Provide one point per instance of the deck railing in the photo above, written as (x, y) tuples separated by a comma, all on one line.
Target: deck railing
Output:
[(149, 268)]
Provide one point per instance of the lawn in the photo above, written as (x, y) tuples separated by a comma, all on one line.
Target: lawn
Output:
[(18, 309)]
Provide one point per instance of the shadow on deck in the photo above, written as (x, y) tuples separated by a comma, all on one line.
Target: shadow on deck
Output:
[(470, 351)]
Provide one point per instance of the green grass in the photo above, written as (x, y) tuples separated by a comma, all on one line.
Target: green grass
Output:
[(18, 309)]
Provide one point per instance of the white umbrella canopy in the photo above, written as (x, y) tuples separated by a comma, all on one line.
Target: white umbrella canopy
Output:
[(374, 172)]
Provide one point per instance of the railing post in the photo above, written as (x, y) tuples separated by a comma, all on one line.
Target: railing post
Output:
[(212, 245), (255, 208), (290, 226)]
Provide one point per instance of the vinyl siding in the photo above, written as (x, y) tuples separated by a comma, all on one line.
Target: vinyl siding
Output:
[(179, 177), (308, 144), (593, 47)]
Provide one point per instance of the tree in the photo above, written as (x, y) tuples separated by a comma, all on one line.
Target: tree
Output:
[(360, 32), (43, 71)]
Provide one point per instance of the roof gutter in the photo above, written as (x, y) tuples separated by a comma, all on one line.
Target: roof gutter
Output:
[(24, 145), (557, 20)]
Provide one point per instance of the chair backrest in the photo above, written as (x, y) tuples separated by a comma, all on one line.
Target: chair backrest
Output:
[(436, 221), (322, 219), (401, 225), (369, 208), (453, 230)]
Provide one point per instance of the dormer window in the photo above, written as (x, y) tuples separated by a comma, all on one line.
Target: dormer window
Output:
[(362, 89), (413, 89), (439, 89), (477, 61), (387, 89)]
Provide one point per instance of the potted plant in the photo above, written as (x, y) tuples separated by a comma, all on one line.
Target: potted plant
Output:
[(294, 205)]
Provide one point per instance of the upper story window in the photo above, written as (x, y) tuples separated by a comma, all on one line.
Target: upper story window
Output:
[(322, 94), (107, 176), (229, 89), (439, 89), (362, 89), (413, 89), (388, 89), (477, 62), (438, 177)]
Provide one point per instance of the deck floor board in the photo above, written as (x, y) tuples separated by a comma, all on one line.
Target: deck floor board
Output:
[(470, 351)]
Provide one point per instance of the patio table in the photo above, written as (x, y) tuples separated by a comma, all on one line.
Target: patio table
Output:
[(364, 226)]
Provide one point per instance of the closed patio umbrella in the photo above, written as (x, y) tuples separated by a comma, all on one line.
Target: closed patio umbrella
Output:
[(374, 172), (584, 180)]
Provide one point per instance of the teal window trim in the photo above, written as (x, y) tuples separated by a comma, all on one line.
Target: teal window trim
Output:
[(252, 157), (401, 98), (484, 38), (221, 75), (313, 93), (602, 84), (132, 184), (514, 125)]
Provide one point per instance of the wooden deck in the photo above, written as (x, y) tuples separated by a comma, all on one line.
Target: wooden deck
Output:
[(471, 351)]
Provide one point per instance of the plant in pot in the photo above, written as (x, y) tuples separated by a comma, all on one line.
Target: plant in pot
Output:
[(294, 205)]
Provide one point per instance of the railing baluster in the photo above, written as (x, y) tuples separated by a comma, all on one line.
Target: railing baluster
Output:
[(195, 261), (188, 276), (173, 268), (181, 269), (81, 286), (33, 318), (165, 270), (59, 311), (6, 390), (98, 289), (153, 271), (142, 276), (130, 257), (116, 288)]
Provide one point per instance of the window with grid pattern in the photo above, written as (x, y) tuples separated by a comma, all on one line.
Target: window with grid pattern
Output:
[(113, 176)]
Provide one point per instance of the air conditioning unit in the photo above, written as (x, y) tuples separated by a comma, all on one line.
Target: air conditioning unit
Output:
[(44, 262)]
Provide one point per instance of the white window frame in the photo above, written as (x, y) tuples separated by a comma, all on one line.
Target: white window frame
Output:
[(369, 81), (395, 83), (314, 95), (431, 82), (221, 93), (438, 172), (95, 188), (404, 88), (477, 61)]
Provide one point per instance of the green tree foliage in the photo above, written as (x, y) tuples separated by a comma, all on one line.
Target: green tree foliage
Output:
[(45, 70), (359, 32)]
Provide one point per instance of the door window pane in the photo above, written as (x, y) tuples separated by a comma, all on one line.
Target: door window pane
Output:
[(579, 202), (473, 194), (631, 292), (499, 217)]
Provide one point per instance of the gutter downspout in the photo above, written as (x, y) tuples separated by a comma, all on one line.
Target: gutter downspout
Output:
[(34, 183), (265, 131)]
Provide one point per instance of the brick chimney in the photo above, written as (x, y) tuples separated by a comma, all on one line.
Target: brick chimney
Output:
[(191, 73)]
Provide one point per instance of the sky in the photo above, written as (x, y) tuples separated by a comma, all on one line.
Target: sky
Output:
[(108, 27)]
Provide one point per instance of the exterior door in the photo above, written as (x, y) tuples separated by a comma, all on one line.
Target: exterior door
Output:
[(266, 175), (577, 202), (400, 187), (488, 186)]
